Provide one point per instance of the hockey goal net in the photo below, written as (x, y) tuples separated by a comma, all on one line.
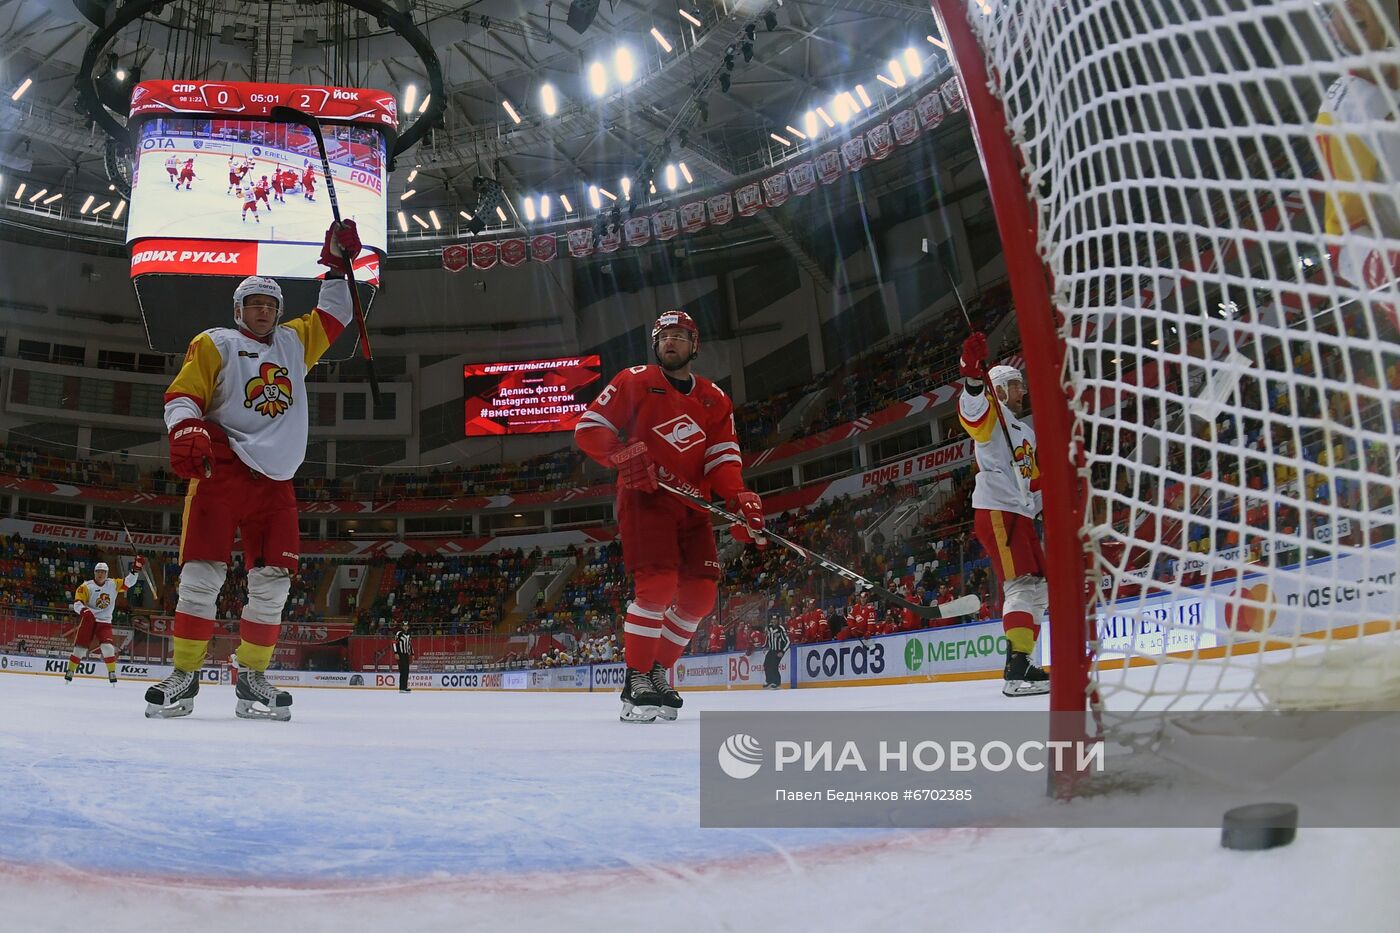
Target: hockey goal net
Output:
[(1208, 192)]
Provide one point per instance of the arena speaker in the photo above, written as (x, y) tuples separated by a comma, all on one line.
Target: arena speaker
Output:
[(581, 15)]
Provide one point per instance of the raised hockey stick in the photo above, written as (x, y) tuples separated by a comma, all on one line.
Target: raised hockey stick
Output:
[(292, 115), (962, 606), (131, 544)]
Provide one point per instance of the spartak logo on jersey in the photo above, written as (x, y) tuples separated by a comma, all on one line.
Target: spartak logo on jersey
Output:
[(270, 391), (681, 433)]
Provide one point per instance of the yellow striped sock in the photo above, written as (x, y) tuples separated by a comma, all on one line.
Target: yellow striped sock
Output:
[(189, 653), (1022, 640), (254, 657)]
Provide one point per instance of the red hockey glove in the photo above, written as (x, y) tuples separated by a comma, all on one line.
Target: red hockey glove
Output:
[(634, 467), (1035, 484), (86, 616), (191, 450), (341, 247), (973, 362), (748, 506), (138, 563)]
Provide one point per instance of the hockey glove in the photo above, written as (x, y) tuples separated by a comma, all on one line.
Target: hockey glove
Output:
[(341, 247), (748, 506), (138, 563), (191, 450), (634, 467), (973, 362)]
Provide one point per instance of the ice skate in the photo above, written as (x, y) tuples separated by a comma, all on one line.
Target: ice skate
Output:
[(640, 701), (258, 699), (68, 677), (112, 678), (174, 696), (671, 701), (1022, 678)]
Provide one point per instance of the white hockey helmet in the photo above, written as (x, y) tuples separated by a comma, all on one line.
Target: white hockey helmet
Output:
[(101, 567), (1357, 28), (1001, 375), (255, 285)]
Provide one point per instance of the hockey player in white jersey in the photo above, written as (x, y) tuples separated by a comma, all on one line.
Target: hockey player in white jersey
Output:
[(237, 416), (1358, 137), (1006, 503), (94, 601)]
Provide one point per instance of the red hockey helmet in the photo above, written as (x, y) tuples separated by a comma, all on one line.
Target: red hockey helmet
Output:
[(676, 318)]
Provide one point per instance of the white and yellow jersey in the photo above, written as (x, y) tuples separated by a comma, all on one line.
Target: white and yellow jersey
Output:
[(102, 599), (997, 486), (1358, 138), (256, 390)]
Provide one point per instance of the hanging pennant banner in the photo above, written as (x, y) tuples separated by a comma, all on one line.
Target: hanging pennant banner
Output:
[(828, 166), (854, 151), (880, 141), (693, 216), (581, 242), (665, 224), (930, 108), (776, 190), (544, 248), (749, 200), (952, 94), (610, 241), (456, 258), (484, 255), (637, 231), (803, 178), (905, 126), (512, 252), (721, 209)]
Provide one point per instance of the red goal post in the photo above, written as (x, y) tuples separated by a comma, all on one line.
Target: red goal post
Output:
[(1199, 206)]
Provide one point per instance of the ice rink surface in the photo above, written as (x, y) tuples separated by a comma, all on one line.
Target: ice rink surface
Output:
[(461, 810)]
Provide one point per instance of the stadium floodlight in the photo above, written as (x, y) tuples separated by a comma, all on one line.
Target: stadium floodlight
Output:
[(408, 194), (864, 97), (437, 224), (101, 207), (826, 118), (403, 222), (420, 221), (843, 111), (53, 197), (651, 187), (671, 178), (937, 42), (795, 131), (501, 213), (607, 194), (38, 194), (568, 206), (19, 192), (593, 198), (660, 39), (529, 205), (690, 17), (810, 124), (897, 72), (410, 97), (509, 109), (544, 206), (121, 74), (411, 175), (597, 79), (685, 173), (912, 62), (624, 64), (23, 86), (423, 107), (465, 215), (121, 206), (87, 204), (780, 139), (885, 80), (549, 100), (626, 183)]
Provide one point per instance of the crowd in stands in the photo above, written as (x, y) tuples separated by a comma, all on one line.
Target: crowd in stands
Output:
[(599, 649), (458, 595), (38, 578)]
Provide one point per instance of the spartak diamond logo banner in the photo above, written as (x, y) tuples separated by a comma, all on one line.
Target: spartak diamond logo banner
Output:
[(544, 248), (512, 252), (484, 254), (456, 258)]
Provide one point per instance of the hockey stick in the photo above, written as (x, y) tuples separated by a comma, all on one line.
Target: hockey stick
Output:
[(292, 115), (131, 544), (965, 605)]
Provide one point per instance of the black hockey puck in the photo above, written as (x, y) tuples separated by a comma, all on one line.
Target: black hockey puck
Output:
[(1259, 826)]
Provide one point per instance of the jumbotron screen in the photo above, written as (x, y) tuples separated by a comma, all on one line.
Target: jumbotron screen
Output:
[(526, 397)]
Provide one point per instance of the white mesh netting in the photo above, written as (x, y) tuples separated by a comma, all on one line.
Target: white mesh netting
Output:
[(1218, 195)]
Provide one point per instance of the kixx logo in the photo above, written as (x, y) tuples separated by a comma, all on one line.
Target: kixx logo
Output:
[(740, 756), (270, 391)]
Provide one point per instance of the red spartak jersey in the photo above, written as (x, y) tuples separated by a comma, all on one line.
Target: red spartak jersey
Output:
[(690, 436)]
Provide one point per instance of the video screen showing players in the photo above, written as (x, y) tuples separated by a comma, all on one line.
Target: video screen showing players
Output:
[(219, 179), (526, 397)]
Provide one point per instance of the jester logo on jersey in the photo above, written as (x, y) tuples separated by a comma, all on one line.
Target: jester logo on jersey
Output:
[(270, 391), (103, 600), (1024, 457)]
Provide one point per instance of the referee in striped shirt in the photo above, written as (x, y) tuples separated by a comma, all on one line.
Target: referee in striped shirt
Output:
[(776, 641), (403, 650)]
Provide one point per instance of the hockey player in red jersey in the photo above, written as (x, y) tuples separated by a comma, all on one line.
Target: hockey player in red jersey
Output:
[(186, 175), (260, 189), (664, 422), (94, 603), (308, 182), (277, 176), (238, 422)]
